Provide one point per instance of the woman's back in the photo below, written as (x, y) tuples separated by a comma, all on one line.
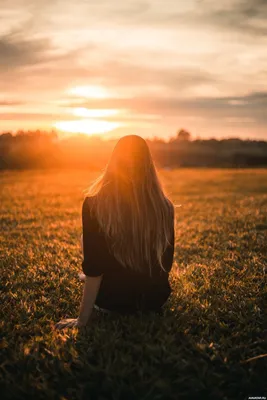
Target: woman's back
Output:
[(123, 289)]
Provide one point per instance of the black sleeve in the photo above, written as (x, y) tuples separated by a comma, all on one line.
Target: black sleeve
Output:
[(93, 243)]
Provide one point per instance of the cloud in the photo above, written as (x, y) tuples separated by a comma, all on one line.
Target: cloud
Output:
[(18, 51), (251, 8), (24, 116), (247, 17), (56, 72), (7, 103), (32, 64), (240, 109), (253, 106), (120, 73), (258, 97)]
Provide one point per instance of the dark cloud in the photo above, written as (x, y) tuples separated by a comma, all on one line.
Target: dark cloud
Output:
[(258, 96), (252, 8), (18, 51), (245, 16), (249, 101)]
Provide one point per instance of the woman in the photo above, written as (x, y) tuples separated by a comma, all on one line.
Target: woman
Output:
[(128, 236)]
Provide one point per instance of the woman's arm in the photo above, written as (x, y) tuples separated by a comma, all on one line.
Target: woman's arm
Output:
[(90, 291), (93, 264)]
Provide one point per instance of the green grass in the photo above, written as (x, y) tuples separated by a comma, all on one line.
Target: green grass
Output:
[(213, 324)]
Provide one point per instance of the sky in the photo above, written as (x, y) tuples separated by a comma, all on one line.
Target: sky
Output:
[(117, 67)]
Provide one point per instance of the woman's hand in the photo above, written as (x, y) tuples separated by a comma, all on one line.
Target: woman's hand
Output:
[(82, 277), (69, 323)]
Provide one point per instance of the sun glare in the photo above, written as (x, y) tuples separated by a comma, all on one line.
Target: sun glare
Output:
[(90, 92), (87, 126)]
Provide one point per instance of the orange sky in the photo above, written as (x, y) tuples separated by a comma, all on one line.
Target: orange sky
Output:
[(143, 67)]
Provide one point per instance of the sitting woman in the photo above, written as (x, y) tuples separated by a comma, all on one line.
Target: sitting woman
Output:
[(128, 236)]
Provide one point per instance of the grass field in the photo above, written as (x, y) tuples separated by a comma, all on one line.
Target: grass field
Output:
[(208, 343)]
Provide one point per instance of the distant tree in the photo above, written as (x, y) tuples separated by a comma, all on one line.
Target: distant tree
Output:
[(6, 136), (156, 139), (40, 149), (183, 135)]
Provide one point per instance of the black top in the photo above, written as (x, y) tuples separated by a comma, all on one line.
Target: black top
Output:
[(122, 289)]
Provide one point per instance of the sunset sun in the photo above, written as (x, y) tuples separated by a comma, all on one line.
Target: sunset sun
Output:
[(87, 126), (90, 121)]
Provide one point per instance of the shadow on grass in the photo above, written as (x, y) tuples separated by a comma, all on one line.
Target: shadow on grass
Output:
[(185, 353)]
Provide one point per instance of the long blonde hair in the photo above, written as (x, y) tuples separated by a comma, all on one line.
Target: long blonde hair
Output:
[(131, 207)]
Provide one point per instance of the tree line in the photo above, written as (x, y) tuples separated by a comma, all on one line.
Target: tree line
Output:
[(38, 149)]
